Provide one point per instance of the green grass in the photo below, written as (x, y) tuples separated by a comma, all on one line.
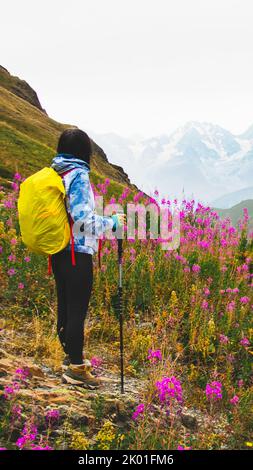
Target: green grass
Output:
[(28, 139)]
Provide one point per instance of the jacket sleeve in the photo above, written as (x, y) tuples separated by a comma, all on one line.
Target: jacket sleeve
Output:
[(81, 208)]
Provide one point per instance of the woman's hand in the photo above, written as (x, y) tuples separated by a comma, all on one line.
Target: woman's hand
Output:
[(118, 220)]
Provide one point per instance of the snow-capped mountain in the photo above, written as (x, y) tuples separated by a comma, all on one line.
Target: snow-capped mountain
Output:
[(199, 159)]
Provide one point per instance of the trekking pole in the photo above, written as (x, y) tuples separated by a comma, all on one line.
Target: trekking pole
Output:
[(120, 307)]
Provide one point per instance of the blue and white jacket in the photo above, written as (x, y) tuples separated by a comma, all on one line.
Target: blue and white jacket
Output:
[(80, 203)]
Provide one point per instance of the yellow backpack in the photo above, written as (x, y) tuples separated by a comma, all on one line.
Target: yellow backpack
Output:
[(42, 214)]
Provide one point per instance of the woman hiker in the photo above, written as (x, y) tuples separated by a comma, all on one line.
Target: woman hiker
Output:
[(74, 279)]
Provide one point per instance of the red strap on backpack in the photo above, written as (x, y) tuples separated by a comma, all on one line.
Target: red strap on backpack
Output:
[(49, 266), (73, 259), (99, 252)]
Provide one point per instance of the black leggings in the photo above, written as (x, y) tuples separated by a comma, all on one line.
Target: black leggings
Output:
[(74, 285)]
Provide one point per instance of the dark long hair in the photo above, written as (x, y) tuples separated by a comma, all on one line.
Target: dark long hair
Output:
[(75, 142)]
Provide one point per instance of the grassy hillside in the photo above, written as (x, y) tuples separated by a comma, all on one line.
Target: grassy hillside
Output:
[(28, 136), (235, 213)]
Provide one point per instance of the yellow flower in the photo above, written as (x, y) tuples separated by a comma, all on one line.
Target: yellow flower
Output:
[(78, 441), (173, 298), (211, 326), (249, 444), (105, 436)]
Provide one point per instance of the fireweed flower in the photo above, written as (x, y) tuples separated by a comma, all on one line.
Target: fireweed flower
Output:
[(230, 358), (27, 259), (154, 356), (11, 272), (206, 291), (234, 400), (169, 388), (9, 391), (16, 411), (96, 361), (139, 410), (21, 285), (223, 339), (28, 435), (9, 204), (22, 374), (244, 341), (231, 306), (204, 305), (52, 415), (196, 268), (214, 391), (244, 300), (14, 186)]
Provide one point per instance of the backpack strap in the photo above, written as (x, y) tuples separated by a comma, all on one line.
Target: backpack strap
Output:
[(49, 267), (99, 252), (73, 259)]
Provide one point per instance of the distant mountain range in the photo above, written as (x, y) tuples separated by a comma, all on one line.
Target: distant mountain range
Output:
[(235, 213), (199, 160)]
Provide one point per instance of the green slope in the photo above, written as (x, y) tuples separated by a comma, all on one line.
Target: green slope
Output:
[(235, 213), (28, 137)]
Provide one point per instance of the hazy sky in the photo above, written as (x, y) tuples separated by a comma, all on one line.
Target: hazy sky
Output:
[(134, 66)]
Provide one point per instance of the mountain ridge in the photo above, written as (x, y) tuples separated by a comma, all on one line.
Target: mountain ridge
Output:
[(28, 136), (203, 159)]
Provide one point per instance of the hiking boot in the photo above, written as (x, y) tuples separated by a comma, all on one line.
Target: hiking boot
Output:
[(80, 375), (66, 362)]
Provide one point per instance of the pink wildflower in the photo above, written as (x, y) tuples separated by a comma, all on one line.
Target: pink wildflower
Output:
[(214, 390), (204, 305), (244, 300), (196, 268), (234, 400), (139, 410), (96, 361), (244, 341), (169, 388), (154, 355), (52, 415), (11, 272), (224, 339)]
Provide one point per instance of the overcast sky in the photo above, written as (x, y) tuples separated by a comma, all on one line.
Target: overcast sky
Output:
[(134, 66)]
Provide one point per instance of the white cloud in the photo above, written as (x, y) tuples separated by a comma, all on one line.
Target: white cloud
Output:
[(135, 66)]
